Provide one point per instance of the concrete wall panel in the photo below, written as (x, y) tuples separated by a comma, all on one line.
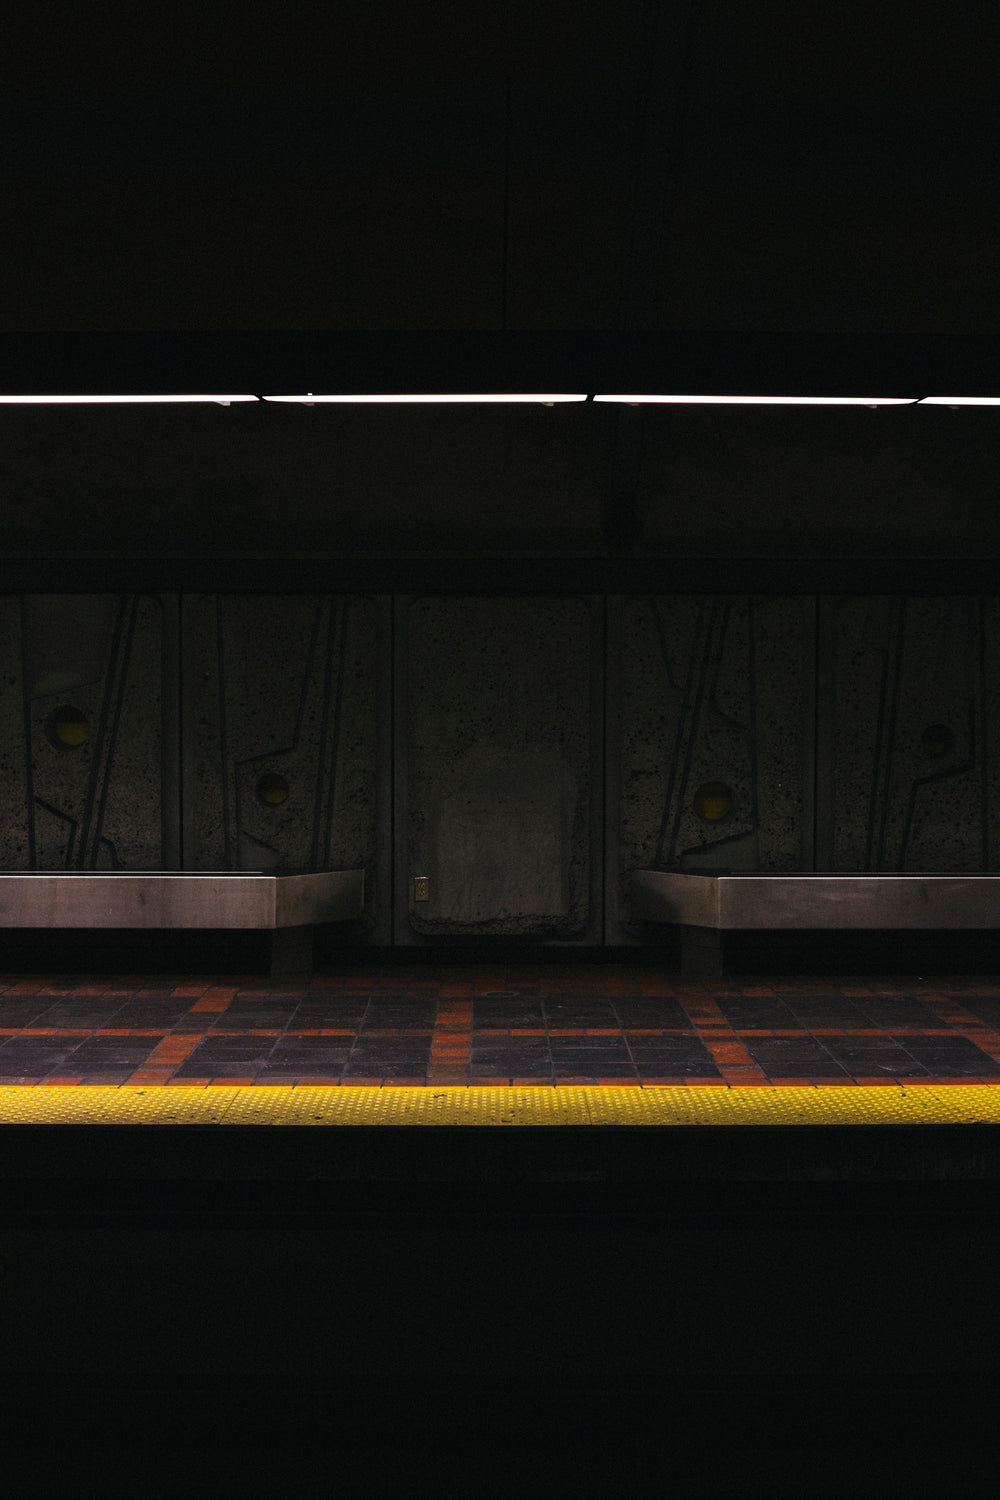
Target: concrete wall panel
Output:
[(280, 743), (89, 732), (712, 694), (912, 728), (15, 829), (497, 713)]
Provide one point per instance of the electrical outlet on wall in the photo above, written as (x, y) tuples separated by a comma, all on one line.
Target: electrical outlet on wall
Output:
[(421, 888)]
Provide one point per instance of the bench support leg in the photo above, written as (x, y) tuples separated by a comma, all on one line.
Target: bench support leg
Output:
[(291, 952), (702, 951)]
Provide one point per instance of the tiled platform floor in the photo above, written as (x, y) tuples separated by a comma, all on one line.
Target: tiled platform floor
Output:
[(606, 1024)]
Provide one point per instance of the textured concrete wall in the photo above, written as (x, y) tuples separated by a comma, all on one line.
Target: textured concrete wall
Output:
[(97, 803), (191, 705), (498, 750), (15, 828), (713, 695), (915, 699), (281, 688)]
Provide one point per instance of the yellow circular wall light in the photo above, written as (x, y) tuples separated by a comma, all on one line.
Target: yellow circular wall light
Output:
[(713, 800), (272, 789), (936, 740), (67, 728)]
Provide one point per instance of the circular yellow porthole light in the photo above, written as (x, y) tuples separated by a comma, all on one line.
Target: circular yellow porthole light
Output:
[(67, 728), (272, 789), (713, 800), (936, 740)]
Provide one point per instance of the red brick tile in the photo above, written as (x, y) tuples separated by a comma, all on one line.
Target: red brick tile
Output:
[(880, 1082), (59, 1082)]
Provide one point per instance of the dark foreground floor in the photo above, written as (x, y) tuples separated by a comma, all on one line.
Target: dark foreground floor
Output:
[(388, 1312)]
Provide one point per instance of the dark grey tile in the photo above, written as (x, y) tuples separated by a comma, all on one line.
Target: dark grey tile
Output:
[(809, 1068), (957, 1045), (888, 1013), (662, 1013), (504, 1019), (666, 1044), (215, 1067), (759, 1017), (512, 1068), (539, 1057), (827, 1013), (676, 1067), (784, 1046), (88, 1020), (571, 1043), (944, 1068)]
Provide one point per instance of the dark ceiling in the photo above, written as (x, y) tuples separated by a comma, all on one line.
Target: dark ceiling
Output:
[(706, 164), (688, 163)]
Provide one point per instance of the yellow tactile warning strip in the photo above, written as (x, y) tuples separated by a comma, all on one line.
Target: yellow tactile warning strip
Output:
[(98, 1105)]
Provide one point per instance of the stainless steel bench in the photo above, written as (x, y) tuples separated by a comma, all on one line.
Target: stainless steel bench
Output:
[(287, 906), (706, 906)]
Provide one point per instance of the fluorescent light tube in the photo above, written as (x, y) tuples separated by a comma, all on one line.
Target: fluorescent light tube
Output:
[(770, 400), (310, 400), (960, 401), (130, 400)]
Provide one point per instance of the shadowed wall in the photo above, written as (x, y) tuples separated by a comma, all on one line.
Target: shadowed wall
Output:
[(518, 755)]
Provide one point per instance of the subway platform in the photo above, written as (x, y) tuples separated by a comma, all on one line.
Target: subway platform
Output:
[(509, 1224)]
